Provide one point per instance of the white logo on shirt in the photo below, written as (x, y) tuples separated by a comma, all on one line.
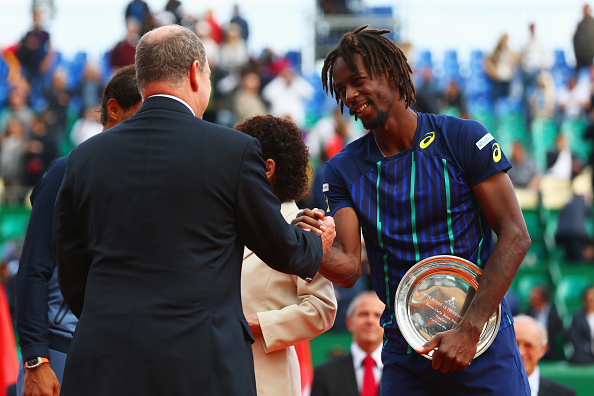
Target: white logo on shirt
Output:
[(325, 187), (484, 140)]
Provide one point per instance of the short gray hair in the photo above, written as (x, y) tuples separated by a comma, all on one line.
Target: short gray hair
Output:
[(167, 56), (355, 301), (544, 335)]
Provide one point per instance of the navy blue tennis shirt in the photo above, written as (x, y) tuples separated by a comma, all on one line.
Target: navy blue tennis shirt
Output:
[(418, 203)]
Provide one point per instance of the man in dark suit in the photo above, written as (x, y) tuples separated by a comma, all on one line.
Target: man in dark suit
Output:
[(149, 230), (354, 373), (542, 309), (532, 340)]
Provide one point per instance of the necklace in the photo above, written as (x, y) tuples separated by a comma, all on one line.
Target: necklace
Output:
[(378, 147)]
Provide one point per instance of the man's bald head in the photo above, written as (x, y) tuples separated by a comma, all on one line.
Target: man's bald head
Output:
[(166, 54)]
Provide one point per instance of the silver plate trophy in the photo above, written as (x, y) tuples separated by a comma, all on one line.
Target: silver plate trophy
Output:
[(434, 295)]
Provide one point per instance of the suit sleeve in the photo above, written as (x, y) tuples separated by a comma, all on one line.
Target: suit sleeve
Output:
[(296, 323), (37, 265), (283, 247), (70, 244)]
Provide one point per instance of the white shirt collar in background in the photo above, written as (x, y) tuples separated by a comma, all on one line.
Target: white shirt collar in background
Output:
[(358, 356)]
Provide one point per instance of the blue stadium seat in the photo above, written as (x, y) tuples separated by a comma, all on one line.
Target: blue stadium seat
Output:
[(425, 59)]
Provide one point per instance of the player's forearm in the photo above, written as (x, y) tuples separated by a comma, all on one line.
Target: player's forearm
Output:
[(497, 277), (340, 268)]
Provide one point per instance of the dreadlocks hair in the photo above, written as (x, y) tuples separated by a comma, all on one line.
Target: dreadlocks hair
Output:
[(381, 56)]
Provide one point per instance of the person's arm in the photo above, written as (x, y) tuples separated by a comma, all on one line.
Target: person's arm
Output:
[(341, 264), (263, 229), (70, 245), (35, 270), (302, 321), (456, 348)]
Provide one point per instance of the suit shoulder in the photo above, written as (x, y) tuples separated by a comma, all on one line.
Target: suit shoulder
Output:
[(334, 365), (228, 138), (550, 387)]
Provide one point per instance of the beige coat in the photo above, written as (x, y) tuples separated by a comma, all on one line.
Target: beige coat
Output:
[(290, 311)]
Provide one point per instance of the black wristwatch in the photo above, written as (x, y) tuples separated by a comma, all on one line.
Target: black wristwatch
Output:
[(35, 362)]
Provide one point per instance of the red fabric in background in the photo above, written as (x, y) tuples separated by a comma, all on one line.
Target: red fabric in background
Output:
[(305, 366), (8, 352)]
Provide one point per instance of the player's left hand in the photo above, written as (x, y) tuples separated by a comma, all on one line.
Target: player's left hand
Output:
[(453, 350)]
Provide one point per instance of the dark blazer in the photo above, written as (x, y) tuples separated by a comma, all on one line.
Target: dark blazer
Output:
[(556, 334), (149, 229), (548, 387), (336, 377), (580, 336)]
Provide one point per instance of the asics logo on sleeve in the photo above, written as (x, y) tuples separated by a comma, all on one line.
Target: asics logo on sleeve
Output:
[(496, 152), (429, 137)]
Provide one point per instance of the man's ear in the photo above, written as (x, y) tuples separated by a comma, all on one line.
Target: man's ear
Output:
[(114, 110), (270, 168), (194, 72)]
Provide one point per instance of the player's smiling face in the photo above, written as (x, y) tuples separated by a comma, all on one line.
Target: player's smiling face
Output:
[(368, 97)]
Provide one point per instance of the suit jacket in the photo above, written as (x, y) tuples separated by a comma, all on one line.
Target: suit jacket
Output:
[(336, 377), (290, 311), (581, 337), (149, 229), (556, 334), (548, 387)]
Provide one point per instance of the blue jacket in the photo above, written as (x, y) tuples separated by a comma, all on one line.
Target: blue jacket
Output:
[(43, 319)]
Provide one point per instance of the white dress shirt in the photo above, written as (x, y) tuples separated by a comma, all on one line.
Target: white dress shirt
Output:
[(358, 356), (534, 381)]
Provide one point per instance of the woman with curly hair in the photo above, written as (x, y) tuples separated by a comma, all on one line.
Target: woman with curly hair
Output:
[(282, 309)]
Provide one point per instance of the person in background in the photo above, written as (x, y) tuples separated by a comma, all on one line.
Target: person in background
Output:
[(139, 12), (239, 20), (44, 322), (12, 162), (532, 340), (287, 94), (534, 59), (572, 234), (583, 40), (561, 163), (523, 173), (123, 52), (581, 331), (500, 67), (545, 313), (247, 101), (281, 309), (87, 126), (359, 372), (34, 51)]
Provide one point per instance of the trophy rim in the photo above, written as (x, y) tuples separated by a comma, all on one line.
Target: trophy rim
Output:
[(467, 271)]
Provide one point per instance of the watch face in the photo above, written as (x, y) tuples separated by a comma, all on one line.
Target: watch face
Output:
[(33, 362)]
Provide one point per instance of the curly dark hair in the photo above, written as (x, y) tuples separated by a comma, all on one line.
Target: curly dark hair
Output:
[(282, 141), (381, 56)]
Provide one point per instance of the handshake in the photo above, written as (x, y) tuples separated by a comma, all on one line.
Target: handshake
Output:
[(315, 220)]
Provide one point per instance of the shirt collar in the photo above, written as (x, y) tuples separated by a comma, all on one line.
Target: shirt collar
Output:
[(359, 354), (176, 98)]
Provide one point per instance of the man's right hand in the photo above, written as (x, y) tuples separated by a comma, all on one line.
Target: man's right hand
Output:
[(329, 233), (41, 381)]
